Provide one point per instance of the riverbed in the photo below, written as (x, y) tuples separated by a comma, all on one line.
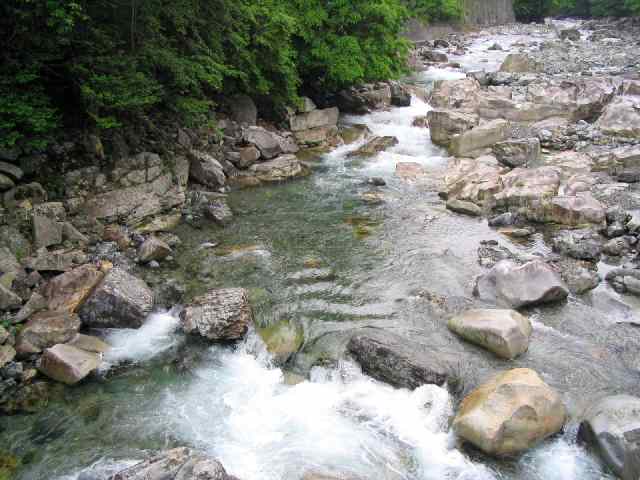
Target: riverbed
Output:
[(317, 256)]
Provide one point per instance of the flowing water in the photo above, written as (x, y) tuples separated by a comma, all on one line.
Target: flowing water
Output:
[(316, 257)]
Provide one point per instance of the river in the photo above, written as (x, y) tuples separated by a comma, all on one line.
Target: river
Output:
[(317, 257)]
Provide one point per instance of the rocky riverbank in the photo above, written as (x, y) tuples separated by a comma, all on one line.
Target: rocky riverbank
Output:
[(544, 149)]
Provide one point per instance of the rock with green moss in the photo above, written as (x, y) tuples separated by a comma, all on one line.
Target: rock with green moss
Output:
[(282, 339)]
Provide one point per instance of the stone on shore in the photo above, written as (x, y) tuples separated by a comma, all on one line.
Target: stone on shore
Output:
[(178, 464), (206, 170), (119, 301), (514, 285), (393, 359), (153, 249), (314, 119), (479, 137), (219, 315), (455, 94), (519, 63), (46, 329), (621, 117), (68, 364), (446, 124), (511, 413), (283, 168), (517, 153), (612, 427), (67, 291), (503, 332), (463, 207), (267, 142), (7, 354)]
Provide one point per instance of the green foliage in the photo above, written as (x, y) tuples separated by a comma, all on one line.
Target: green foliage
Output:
[(436, 10), (529, 10)]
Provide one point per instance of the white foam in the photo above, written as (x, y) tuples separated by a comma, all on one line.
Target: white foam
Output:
[(154, 337)]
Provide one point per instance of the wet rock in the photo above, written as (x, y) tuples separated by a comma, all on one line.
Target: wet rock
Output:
[(153, 249), (218, 211), (28, 398), (612, 427), (580, 280), (177, 464), (46, 329), (624, 280), (445, 124), (377, 181), (581, 209), (8, 299), (243, 110), (267, 142), (374, 146), (503, 332), (465, 208), (517, 153), (509, 414), (519, 63), (572, 34), (219, 315), (206, 170), (119, 301), (36, 303), (579, 244), (282, 339), (479, 137), (433, 56), (621, 117), (400, 95), (89, 343), (280, 169), (67, 291), (395, 360), (67, 364), (533, 283)]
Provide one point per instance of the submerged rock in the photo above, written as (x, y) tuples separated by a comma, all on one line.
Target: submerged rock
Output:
[(119, 301), (518, 286), (612, 427), (219, 315), (395, 360), (511, 413), (374, 146), (503, 332), (178, 464)]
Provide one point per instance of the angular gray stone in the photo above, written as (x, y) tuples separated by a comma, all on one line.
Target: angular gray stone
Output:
[(206, 170), (46, 329), (395, 360), (479, 137), (533, 283), (463, 207), (68, 364), (46, 231), (219, 315), (621, 117), (267, 142), (327, 117), (445, 124), (503, 332), (153, 249), (517, 153), (374, 146), (612, 427), (519, 63), (119, 301), (280, 169), (248, 156)]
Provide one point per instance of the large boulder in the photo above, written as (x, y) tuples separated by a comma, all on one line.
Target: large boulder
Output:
[(153, 249), (395, 360), (612, 427), (621, 117), (572, 210), (46, 329), (521, 186), (503, 332), (514, 285), (517, 153), (313, 119), (67, 291), (479, 137), (267, 142), (519, 63), (119, 301), (471, 180), (206, 170), (219, 315), (579, 244), (68, 364), (511, 413), (279, 169), (177, 464), (455, 94), (445, 124)]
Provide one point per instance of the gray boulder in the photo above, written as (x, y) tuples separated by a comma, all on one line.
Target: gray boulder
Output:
[(153, 249), (219, 315), (177, 464), (395, 360), (314, 119), (68, 364), (206, 170), (503, 332), (463, 207), (119, 301), (479, 137), (374, 146), (517, 153), (519, 63), (533, 283), (279, 169), (621, 117), (46, 329), (8, 299), (445, 124), (579, 244), (6, 183), (612, 427), (572, 34), (267, 142)]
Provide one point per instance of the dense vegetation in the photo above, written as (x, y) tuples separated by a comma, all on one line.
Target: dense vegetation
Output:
[(528, 10), (104, 63)]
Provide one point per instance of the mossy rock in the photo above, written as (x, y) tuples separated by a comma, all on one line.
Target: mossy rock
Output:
[(282, 339)]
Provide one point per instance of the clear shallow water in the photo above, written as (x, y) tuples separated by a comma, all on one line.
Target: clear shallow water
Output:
[(311, 252)]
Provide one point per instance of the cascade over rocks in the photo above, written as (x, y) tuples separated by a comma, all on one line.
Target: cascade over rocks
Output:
[(509, 414)]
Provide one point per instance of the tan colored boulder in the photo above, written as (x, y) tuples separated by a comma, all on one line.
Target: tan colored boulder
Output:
[(521, 186), (503, 332), (455, 94), (67, 291), (316, 118), (445, 124), (45, 329), (520, 63), (473, 180), (68, 364), (153, 249), (511, 413), (279, 169), (89, 343), (621, 117), (480, 137)]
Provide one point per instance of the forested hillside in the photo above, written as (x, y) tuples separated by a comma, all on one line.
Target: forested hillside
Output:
[(103, 63), (527, 10)]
